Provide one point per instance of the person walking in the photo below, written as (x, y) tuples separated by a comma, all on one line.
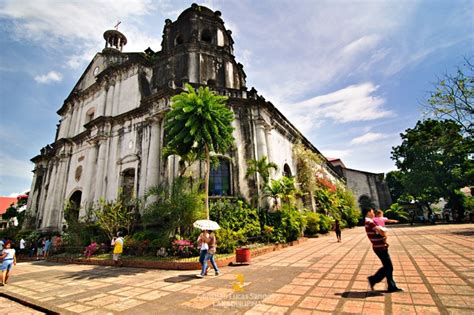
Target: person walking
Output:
[(379, 244), (337, 229), (117, 243), (211, 252), (9, 259), (203, 244)]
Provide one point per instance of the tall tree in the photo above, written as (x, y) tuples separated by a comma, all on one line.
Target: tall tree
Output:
[(394, 181), (433, 159), (453, 97), (201, 123)]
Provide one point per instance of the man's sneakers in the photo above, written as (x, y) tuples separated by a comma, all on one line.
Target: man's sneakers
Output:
[(371, 284), (200, 276), (391, 290), (218, 273)]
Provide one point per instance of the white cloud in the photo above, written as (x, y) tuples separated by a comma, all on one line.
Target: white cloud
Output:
[(15, 168), (369, 137), (336, 153), (351, 104), (51, 76), (78, 25)]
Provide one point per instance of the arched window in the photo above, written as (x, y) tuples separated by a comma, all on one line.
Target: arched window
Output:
[(287, 171), (206, 36), (178, 40), (219, 179), (90, 114), (128, 183), (366, 203)]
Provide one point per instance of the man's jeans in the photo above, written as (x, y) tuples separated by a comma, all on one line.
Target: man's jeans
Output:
[(203, 258), (386, 271)]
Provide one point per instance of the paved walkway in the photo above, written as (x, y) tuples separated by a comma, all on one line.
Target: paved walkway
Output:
[(434, 264)]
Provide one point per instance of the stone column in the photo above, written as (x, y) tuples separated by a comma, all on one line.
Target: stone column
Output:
[(88, 192), (109, 100), (51, 195), (99, 183), (58, 205), (261, 138), (154, 153)]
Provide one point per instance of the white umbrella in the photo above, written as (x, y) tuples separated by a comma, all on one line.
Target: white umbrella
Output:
[(206, 225)]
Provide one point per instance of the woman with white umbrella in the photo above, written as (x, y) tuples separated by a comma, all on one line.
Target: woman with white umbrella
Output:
[(207, 243)]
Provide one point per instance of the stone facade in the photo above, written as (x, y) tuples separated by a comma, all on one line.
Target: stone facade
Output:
[(365, 184), (110, 133)]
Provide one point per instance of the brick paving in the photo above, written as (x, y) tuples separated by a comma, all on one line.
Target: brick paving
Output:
[(434, 264)]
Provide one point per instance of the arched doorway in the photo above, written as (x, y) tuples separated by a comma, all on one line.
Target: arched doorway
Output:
[(75, 206), (128, 183), (287, 170)]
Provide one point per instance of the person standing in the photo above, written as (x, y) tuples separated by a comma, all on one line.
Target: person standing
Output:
[(379, 244), (9, 259), (22, 246), (47, 246), (117, 243), (203, 244), (337, 229)]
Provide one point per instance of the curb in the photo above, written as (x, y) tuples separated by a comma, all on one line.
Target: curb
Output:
[(171, 265)]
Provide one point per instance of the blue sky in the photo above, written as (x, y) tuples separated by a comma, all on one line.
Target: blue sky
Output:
[(351, 75)]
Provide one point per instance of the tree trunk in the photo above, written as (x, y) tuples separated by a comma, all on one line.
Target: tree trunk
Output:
[(206, 180)]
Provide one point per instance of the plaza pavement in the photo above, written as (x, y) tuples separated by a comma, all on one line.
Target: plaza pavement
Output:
[(434, 264)]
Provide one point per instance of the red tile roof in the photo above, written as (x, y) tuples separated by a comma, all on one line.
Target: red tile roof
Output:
[(5, 203)]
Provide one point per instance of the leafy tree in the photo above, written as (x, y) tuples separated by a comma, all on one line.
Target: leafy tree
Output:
[(283, 189), (394, 180), (453, 98), (433, 160), (174, 208), (199, 123), (307, 162), (262, 167), (116, 215)]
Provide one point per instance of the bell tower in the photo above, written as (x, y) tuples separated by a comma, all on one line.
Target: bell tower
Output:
[(114, 41)]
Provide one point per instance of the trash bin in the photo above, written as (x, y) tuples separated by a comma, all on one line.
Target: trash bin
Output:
[(242, 255)]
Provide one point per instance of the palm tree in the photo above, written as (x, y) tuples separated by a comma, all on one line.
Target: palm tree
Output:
[(199, 123), (262, 167)]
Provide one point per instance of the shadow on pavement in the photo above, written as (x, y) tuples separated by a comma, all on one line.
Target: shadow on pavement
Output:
[(101, 272), (359, 294), (180, 278), (464, 232)]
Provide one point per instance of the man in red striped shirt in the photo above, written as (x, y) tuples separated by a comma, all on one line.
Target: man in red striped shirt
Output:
[(378, 238)]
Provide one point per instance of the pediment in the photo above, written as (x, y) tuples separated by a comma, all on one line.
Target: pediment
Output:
[(89, 77)]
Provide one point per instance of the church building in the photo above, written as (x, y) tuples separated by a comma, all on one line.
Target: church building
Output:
[(110, 134)]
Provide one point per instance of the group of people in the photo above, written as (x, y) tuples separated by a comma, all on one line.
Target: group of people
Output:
[(207, 243)]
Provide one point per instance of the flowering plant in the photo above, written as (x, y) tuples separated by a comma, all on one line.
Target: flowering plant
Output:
[(91, 249), (182, 248)]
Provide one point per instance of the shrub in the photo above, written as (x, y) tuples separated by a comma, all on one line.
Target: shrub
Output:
[(227, 240), (288, 224), (312, 223), (325, 223), (236, 216)]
